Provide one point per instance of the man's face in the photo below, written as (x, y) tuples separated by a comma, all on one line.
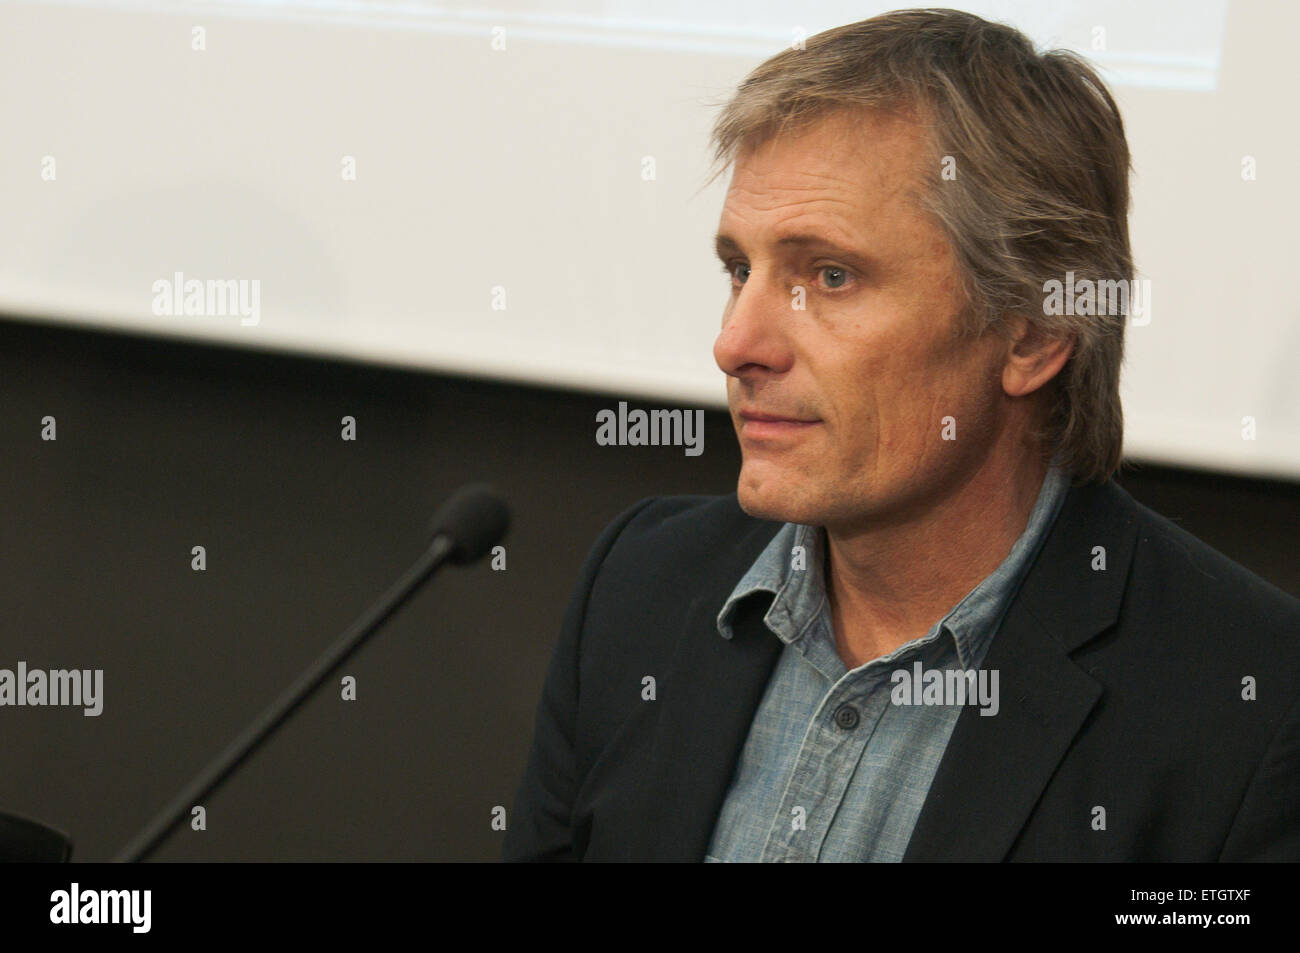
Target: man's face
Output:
[(863, 377)]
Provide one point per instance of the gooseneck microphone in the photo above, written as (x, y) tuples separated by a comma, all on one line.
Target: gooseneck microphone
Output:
[(465, 528)]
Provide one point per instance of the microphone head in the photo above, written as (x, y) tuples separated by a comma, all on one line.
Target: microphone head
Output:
[(475, 518)]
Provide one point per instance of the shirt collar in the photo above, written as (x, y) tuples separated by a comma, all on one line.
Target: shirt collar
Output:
[(791, 569)]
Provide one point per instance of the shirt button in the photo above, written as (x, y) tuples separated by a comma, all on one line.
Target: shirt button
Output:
[(846, 716)]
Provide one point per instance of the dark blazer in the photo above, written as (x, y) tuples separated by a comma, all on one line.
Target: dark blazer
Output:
[(1120, 688)]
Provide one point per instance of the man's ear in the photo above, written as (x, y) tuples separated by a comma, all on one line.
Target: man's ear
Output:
[(1033, 357)]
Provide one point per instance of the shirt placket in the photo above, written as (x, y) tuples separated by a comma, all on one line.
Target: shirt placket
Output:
[(837, 735)]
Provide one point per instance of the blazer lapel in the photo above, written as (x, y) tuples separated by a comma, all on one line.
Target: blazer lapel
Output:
[(995, 767), (708, 701)]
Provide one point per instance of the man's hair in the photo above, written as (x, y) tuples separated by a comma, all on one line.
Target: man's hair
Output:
[(1040, 189)]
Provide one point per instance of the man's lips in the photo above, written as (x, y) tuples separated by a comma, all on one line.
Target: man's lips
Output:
[(758, 425)]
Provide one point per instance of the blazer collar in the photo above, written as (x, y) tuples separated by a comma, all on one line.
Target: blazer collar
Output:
[(708, 700)]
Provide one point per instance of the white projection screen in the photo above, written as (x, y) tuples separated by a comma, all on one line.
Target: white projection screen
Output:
[(515, 191)]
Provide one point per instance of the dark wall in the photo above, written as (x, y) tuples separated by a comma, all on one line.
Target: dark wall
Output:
[(165, 446)]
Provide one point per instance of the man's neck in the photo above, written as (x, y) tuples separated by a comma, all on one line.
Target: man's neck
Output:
[(890, 583)]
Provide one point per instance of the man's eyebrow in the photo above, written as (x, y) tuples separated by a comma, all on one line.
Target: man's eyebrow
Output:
[(724, 245)]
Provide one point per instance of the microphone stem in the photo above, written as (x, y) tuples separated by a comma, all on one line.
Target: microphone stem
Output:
[(148, 840)]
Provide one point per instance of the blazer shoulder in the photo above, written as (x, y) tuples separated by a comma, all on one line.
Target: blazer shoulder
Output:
[(1199, 579), (666, 554), (672, 522)]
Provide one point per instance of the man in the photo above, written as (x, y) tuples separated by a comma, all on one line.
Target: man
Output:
[(928, 625)]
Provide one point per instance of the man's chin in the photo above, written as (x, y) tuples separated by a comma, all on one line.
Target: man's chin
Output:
[(770, 500)]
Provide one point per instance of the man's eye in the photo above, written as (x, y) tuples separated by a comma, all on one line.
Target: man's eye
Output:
[(835, 275), (730, 268)]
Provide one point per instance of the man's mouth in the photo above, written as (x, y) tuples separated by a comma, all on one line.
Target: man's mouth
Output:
[(758, 425)]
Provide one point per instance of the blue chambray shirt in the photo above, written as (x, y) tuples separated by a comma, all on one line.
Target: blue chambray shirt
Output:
[(811, 787)]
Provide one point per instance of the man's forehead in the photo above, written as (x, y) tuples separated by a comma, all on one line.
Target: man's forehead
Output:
[(838, 168)]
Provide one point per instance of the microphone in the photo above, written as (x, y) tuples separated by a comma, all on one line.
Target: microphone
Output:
[(475, 519), (464, 529)]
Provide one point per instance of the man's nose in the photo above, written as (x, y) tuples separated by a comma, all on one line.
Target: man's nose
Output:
[(755, 334)]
